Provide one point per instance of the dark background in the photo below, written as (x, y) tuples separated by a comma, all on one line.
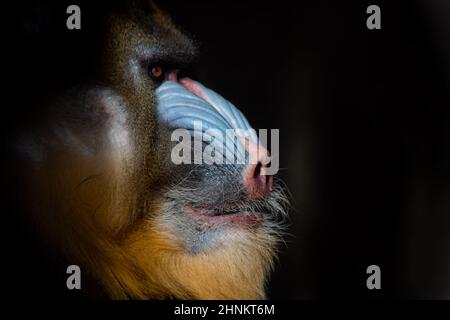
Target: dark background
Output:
[(364, 129), (364, 132)]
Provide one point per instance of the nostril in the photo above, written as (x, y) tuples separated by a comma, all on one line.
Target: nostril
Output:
[(257, 171), (258, 185)]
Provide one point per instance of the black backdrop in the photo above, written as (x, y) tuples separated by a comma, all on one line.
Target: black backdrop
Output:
[(364, 132), (364, 129)]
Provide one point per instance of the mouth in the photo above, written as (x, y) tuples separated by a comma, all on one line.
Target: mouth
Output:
[(225, 215), (224, 211)]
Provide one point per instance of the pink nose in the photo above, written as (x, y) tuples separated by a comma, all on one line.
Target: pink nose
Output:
[(256, 179)]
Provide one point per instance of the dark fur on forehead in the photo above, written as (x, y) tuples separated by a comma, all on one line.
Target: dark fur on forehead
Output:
[(141, 11), (156, 26)]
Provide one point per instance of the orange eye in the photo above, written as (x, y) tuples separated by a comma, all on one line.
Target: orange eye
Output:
[(156, 72)]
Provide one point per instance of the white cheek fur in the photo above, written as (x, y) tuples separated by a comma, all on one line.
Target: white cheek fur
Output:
[(117, 124)]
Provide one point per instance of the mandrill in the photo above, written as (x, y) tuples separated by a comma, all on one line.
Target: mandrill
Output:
[(95, 183)]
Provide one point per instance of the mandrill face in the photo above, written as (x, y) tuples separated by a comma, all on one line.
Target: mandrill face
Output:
[(101, 184)]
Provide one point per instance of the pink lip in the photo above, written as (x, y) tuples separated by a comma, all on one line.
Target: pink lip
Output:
[(239, 218)]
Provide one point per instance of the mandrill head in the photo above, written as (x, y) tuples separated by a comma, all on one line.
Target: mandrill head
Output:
[(104, 185)]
